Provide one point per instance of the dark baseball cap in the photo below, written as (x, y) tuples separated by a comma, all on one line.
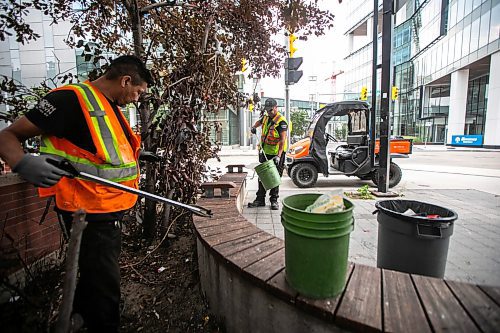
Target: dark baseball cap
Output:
[(270, 103)]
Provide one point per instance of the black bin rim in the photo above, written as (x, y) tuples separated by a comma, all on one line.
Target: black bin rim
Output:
[(449, 217)]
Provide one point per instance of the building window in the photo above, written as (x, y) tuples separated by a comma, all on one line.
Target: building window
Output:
[(476, 106), (495, 23)]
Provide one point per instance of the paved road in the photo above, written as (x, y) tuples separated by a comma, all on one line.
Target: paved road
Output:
[(467, 182), (423, 170)]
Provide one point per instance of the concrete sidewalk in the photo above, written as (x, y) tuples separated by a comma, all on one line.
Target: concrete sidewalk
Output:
[(474, 246), (237, 151)]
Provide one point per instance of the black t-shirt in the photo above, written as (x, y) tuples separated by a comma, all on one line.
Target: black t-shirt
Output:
[(281, 127), (59, 113)]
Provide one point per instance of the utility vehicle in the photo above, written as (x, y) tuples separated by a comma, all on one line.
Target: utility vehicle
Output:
[(319, 151)]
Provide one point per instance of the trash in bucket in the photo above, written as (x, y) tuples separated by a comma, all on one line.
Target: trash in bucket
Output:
[(316, 246), (268, 174), (413, 236)]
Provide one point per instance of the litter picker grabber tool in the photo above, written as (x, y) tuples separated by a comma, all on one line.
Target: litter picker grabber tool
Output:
[(68, 167)]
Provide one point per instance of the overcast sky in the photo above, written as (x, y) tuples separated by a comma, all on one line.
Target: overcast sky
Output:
[(322, 57)]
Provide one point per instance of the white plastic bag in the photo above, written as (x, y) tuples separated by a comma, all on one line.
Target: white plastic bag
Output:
[(331, 202)]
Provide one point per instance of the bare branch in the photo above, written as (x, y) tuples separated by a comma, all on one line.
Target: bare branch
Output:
[(146, 9)]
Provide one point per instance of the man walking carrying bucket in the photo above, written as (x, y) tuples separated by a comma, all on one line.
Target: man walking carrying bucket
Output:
[(273, 146)]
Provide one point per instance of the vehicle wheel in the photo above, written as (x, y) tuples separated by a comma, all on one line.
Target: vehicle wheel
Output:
[(395, 175), (304, 175)]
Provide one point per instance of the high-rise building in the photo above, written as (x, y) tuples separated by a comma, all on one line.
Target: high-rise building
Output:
[(37, 60), (446, 64), (47, 58)]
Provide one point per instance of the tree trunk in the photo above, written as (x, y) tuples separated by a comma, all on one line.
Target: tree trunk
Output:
[(149, 223)]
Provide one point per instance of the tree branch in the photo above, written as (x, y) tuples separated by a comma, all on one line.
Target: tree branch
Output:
[(207, 31), (146, 9)]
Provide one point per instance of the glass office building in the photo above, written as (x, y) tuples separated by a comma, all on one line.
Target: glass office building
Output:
[(446, 65)]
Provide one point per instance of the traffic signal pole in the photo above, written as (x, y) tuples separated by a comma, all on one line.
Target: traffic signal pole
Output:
[(386, 101), (287, 112), (287, 94), (373, 112)]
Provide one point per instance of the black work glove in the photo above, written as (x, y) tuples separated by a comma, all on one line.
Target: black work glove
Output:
[(148, 156), (40, 170), (253, 130)]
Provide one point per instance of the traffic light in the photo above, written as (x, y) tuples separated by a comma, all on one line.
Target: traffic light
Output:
[(395, 93), (292, 75), (364, 94), (244, 65), (291, 47)]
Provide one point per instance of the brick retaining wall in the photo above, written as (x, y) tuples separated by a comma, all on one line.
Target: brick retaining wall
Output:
[(21, 235)]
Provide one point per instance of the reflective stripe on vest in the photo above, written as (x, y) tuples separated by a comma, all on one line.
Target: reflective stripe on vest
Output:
[(116, 174), (270, 136), (107, 136)]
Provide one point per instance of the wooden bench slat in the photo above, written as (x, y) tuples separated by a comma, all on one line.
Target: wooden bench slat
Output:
[(486, 312), (213, 203), (201, 221), (402, 309), (240, 176), (248, 256), (240, 244), (234, 234), (493, 292), (219, 184), (360, 308), (224, 211), (326, 307), (269, 266), (278, 286), (443, 310), (219, 221), (219, 229)]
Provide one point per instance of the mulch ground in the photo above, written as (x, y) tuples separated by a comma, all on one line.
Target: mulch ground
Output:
[(160, 289)]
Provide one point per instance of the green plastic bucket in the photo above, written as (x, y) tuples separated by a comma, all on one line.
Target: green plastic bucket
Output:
[(268, 174), (316, 246)]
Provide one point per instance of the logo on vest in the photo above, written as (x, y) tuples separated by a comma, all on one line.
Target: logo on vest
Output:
[(45, 107)]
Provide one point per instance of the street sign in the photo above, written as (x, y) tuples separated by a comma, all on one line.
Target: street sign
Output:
[(467, 140)]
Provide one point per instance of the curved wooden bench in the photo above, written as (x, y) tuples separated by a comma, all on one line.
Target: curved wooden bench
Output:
[(243, 277)]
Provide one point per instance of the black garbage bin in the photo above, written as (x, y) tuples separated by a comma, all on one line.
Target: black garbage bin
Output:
[(415, 243)]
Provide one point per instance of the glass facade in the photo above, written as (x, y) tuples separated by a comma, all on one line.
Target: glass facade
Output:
[(431, 40), (477, 98), (469, 31)]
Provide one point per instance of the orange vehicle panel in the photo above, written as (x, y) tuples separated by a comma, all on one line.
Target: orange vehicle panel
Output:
[(402, 146)]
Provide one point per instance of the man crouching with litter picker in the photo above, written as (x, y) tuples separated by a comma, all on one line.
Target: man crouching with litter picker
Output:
[(273, 145)]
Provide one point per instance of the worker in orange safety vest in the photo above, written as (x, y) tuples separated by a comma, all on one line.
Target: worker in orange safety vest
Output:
[(83, 123)]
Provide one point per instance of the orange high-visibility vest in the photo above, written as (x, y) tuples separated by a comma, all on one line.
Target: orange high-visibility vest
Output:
[(270, 137), (115, 159)]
